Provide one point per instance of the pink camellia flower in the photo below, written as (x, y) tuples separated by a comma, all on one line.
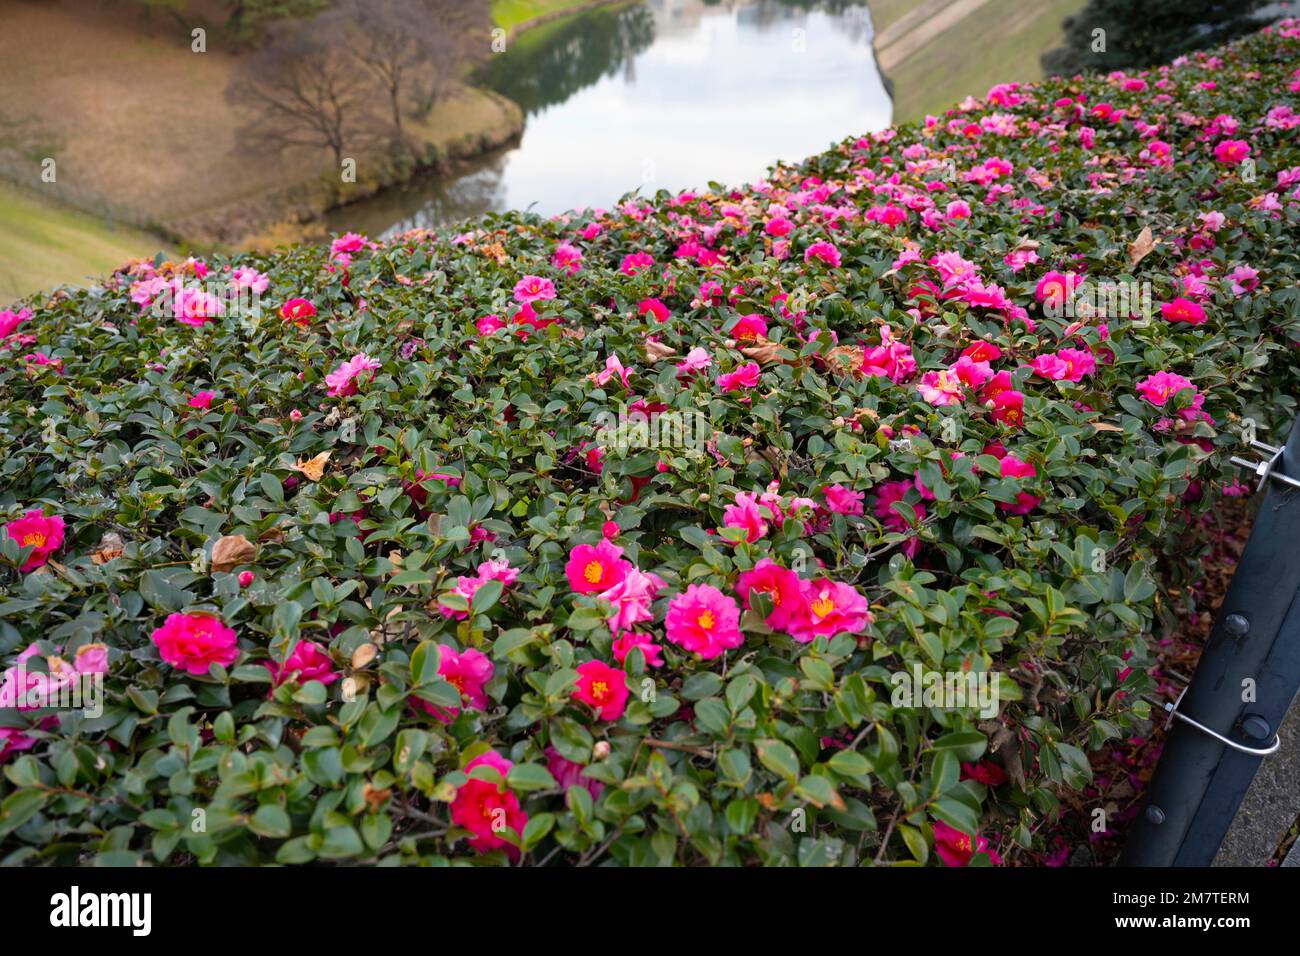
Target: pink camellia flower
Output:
[(569, 774), (567, 257), (886, 494), (194, 642), (246, 578), (43, 535), (745, 514), (195, 307), (982, 352), (631, 598), (749, 326), (829, 608), (697, 360), (970, 372), (10, 320), (489, 324), (890, 359), (468, 671), (1230, 152), (531, 289), (1244, 279), (343, 380), (467, 587), (309, 661), (1183, 310), (594, 569), (1014, 467), (655, 309), (1055, 289), (824, 252), (487, 809), (1009, 408), (298, 311), (989, 774), (1160, 387), (956, 848), (941, 388), (778, 226), (781, 585), (613, 369), (202, 399), (746, 376), (498, 569), (703, 620), (635, 262), (603, 688), (844, 501)]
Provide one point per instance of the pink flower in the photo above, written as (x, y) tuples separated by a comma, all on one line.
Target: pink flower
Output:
[(631, 598), (703, 620), (746, 376), (890, 359), (202, 399), (195, 307), (844, 501), (655, 309), (489, 324), (697, 360), (829, 608), (1014, 467), (1244, 279), (956, 848), (1009, 408), (1230, 152), (1183, 310), (10, 320), (941, 388), (567, 257), (613, 369), (970, 372), (298, 311), (343, 380), (43, 535), (594, 569), (194, 642), (309, 661), (749, 327), (531, 289), (1160, 387), (634, 263), (468, 671), (781, 585), (603, 688), (498, 570), (745, 514), (487, 809), (651, 651), (569, 774), (246, 578), (824, 252)]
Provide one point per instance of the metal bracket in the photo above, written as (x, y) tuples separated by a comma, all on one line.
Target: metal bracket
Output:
[(1173, 711), (1264, 470)]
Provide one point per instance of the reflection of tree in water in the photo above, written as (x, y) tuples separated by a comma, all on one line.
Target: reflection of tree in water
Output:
[(576, 55)]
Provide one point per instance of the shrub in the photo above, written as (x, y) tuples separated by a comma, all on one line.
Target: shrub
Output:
[(382, 574)]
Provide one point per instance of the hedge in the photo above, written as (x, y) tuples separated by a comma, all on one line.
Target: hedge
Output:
[(621, 537)]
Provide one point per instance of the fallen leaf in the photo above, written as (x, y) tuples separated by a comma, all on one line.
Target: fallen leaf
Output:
[(765, 352), (1141, 247), (232, 550), (654, 351), (110, 546), (1106, 427), (313, 468), (363, 655)]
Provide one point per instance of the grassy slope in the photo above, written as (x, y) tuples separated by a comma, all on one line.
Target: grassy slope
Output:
[(43, 245), (510, 13), (1000, 43)]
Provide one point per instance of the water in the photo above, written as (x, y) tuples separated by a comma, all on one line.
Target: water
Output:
[(662, 94)]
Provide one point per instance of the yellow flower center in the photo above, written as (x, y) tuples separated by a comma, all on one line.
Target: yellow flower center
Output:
[(593, 572), (823, 606), (34, 538), (705, 620), (599, 690)]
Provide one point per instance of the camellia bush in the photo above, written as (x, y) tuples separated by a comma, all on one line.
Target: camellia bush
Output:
[(813, 522)]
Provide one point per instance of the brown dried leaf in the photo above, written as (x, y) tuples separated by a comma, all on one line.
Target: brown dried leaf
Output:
[(232, 550), (1141, 247), (110, 546), (654, 351), (765, 352), (1106, 427), (363, 655), (313, 468)]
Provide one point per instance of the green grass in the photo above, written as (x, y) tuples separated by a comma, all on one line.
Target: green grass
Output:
[(510, 13), (1000, 43), (43, 245)]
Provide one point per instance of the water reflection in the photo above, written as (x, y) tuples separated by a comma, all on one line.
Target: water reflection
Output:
[(665, 94)]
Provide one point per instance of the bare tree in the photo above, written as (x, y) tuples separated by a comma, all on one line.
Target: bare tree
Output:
[(302, 88)]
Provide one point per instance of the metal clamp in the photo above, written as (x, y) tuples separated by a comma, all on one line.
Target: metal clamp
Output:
[(1264, 470), (1173, 711)]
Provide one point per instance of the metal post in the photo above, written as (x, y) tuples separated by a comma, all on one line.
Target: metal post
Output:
[(1220, 735)]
